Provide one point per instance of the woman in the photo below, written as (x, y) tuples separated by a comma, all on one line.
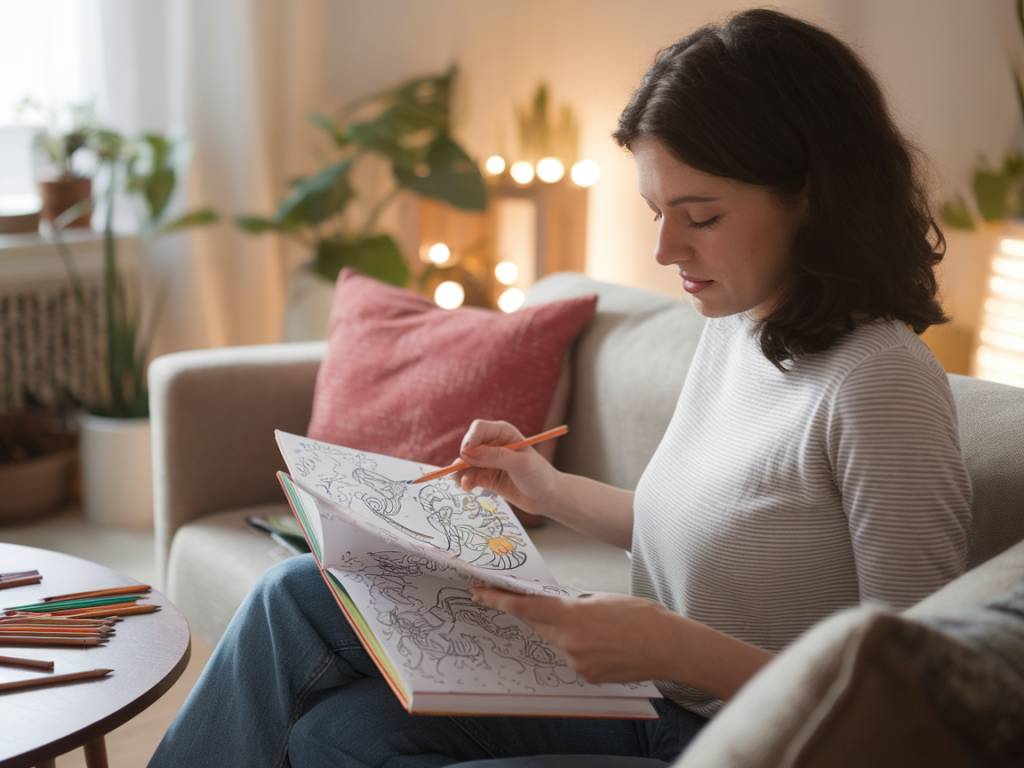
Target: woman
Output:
[(812, 461)]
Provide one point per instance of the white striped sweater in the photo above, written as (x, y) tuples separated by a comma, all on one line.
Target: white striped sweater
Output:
[(775, 499)]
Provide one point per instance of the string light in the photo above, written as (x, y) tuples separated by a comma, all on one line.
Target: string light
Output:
[(439, 253), (511, 299), (449, 295), (585, 173), (506, 273), (521, 171), (550, 169), (495, 165)]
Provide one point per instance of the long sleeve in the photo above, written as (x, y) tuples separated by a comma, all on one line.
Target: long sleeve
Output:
[(895, 455)]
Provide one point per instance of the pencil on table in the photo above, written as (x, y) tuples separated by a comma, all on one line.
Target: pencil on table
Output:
[(83, 603), (56, 621), (36, 629), (33, 682), (128, 610), (458, 464), (48, 640), (24, 581), (18, 575), (17, 661), (111, 592)]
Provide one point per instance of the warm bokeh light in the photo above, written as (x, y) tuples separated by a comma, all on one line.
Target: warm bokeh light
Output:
[(495, 165), (511, 299), (506, 272), (1000, 353), (439, 253), (550, 169), (449, 295), (521, 171), (585, 173)]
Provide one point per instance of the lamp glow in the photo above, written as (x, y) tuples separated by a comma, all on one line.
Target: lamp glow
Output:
[(550, 169), (449, 295), (494, 165), (511, 299), (1000, 353), (585, 173), (439, 253), (521, 171), (506, 273)]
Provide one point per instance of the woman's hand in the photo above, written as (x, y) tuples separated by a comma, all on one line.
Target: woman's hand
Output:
[(608, 638), (523, 477)]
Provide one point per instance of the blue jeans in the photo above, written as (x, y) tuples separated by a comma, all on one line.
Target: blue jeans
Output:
[(289, 684)]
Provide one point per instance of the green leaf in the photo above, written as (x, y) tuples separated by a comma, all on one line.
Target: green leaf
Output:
[(257, 224), (107, 143), (955, 214), (990, 190), (198, 218), (330, 127), (377, 256), (318, 197), (448, 174), (151, 174)]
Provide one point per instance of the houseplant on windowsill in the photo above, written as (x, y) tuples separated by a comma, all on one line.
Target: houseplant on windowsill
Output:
[(114, 430), (59, 148), (409, 126)]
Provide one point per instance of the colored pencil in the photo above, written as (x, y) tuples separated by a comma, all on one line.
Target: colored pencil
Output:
[(59, 605), (112, 591), (114, 610), (540, 437), (47, 640), (56, 621), (17, 575), (22, 582), (34, 682), (36, 629), (17, 661)]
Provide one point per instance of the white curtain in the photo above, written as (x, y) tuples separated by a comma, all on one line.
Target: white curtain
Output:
[(239, 78)]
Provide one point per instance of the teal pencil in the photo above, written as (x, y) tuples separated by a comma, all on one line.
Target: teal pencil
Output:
[(81, 603)]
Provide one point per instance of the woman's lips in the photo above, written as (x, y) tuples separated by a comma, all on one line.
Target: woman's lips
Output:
[(695, 286)]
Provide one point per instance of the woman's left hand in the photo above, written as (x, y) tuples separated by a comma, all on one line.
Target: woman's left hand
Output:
[(608, 638)]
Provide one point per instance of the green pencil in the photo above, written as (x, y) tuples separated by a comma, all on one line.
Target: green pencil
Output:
[(80, 603)]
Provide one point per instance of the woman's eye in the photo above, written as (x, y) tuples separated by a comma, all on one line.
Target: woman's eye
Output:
[(706, 223)]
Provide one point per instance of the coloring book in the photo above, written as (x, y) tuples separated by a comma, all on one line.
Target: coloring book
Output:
[(400, 559)]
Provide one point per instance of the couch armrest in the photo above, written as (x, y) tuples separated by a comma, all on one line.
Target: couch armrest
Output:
[(213, 415)]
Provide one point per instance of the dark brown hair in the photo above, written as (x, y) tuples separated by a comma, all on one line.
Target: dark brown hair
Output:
[(771, 100)]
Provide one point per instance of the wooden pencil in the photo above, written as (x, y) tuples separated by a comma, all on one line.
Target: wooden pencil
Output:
[(540, 437), (57, 621), (17, 574), (34, 682), (45, 640), (129, 610), (22, 582), (88, 602), (129, 590), (17, 661)]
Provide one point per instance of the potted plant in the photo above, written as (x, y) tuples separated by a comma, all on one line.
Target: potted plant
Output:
[(114, 429), (58, 149), (37, 452), (409, 126)]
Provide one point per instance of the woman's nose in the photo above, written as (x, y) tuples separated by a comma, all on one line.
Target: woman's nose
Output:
[(669, 248)]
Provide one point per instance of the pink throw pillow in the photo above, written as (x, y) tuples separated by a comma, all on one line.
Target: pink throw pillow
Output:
[(403, 377)]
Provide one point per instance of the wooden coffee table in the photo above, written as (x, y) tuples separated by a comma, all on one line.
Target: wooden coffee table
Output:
[(148, 654)]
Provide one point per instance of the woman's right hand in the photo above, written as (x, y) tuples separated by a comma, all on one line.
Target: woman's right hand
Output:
[(523, 477)]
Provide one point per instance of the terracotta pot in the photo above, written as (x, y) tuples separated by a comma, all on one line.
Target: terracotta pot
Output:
[(60, 194), (31, 487)]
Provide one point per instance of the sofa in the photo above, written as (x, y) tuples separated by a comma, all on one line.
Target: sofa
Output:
[(214, 458)]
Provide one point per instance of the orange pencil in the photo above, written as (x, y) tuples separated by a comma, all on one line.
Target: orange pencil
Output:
[(123, 610), (49, 640), (540, 437), (112, 591)]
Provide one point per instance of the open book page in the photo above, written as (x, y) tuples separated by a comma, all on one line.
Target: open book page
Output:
[(440, 641), (475, 533)]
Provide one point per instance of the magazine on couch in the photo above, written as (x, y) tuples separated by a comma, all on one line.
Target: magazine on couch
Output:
[(400, 560)]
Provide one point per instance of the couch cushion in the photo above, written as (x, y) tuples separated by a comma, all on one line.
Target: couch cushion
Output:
[(216, 559), (628, 369), (403, 377), (992, 441)]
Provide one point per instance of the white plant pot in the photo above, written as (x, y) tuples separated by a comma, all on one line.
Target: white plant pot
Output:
[(117, 473), (309, 306)]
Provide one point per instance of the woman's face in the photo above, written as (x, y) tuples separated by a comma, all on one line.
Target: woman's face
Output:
[(729, 241)]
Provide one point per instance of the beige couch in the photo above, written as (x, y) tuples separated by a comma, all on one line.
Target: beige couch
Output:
[(214, 413)]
